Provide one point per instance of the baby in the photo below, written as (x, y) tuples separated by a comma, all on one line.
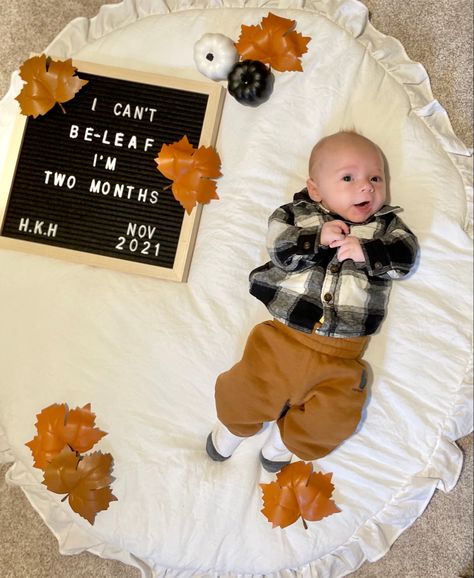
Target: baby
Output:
[(334, 251)]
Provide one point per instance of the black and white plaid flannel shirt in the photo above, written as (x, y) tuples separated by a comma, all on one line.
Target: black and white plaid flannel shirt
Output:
[(307, 288)]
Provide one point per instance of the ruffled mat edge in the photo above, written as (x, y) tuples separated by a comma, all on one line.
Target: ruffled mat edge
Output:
[(372, 540)]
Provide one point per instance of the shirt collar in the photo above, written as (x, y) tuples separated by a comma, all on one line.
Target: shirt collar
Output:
[(303, 197)]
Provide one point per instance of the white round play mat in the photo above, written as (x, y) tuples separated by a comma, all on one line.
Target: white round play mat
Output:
[(145, 352)]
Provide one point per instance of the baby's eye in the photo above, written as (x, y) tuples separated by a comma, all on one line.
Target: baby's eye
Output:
[(347, 178), (376, 179)]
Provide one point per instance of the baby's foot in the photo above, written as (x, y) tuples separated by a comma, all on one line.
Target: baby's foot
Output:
[(275, 455), (221, 443)]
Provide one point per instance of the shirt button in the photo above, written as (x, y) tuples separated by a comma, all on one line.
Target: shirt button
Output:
[(334, 269), (306, 245), (378, 265), (327, 297)]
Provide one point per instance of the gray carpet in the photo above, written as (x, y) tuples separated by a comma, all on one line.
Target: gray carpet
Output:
[(437, 33)]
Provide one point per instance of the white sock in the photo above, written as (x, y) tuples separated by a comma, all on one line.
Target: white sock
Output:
[(274, 448), (225, 441)]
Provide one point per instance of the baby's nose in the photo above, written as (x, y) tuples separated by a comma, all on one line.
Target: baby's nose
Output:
[(367, 186)]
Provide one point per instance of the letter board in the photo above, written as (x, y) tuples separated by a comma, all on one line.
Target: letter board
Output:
[(84, 186)]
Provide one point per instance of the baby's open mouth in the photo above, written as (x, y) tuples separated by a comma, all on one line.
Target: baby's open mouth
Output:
[(363, 204)]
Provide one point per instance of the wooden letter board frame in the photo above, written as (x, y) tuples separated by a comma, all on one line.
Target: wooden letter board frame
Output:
[(34, 233)]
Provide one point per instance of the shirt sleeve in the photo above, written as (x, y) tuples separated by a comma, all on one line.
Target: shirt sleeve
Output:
[(290, 247), (394, 254)]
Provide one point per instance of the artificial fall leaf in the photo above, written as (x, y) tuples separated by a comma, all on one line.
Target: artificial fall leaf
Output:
[(58, 427), (47, 444), (47, 82), (191, 171), (298, 491), (274, 42), (85, 480), (79, 431)]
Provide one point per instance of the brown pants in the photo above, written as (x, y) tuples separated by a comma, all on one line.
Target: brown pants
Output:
[(314, 387)]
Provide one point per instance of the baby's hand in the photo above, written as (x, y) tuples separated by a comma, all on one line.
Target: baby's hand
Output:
[(349, 248), (333, 231)]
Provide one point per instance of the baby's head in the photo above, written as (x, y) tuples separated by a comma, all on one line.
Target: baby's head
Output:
[(347, 176)]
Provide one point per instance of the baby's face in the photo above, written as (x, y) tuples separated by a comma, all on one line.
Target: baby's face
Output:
[(348, 178)]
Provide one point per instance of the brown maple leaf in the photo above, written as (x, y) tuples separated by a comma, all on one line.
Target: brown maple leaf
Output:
[(47, 82), (274, 42), (79, 431), (84, 480), (297, 492), (191, 171), (58, 427)]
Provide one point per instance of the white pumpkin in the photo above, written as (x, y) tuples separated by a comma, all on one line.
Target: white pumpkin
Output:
[(215, 55)]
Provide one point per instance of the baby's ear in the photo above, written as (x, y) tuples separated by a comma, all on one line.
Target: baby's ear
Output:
[(313, 190)]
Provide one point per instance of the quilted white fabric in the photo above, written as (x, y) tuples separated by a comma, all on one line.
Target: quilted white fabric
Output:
[(146, 352)]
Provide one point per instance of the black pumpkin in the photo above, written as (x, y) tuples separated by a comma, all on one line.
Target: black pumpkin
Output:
[(250, 82)]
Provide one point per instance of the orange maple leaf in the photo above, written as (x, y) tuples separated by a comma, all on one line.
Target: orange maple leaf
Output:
[(58, 427), (47, 444), (191, 171), (297, 492), (85, 480), (47, 82), (274, 42)]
